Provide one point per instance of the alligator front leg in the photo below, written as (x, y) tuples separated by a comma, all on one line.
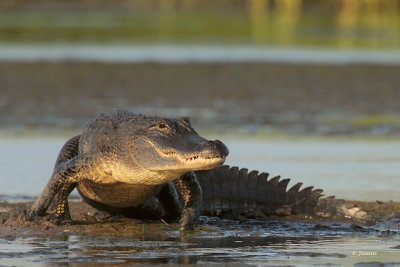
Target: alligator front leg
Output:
[(61, 214), (191, 193), (62, 182), (170, 201)]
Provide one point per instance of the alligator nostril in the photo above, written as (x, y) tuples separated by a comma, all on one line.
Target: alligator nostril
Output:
[(218, 145), (211, 143)]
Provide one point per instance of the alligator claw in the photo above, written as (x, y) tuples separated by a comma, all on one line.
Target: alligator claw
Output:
[(32, 216), (60, 219)]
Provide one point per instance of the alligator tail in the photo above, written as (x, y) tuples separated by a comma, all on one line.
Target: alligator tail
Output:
[(233, 192)]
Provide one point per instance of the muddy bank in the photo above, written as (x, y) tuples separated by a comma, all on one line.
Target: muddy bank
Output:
[(303, 98), (87, 221)]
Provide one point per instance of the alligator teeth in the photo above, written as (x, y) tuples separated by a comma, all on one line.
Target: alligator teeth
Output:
[(206, 158), (193, 158), (216, 157)]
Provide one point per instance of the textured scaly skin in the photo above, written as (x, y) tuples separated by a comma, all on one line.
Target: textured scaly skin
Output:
[(237, 193)]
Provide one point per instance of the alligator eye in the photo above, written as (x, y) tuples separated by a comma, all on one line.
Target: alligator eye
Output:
[(162, 125)]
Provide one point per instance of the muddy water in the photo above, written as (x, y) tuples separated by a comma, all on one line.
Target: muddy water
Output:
[(350, 169)]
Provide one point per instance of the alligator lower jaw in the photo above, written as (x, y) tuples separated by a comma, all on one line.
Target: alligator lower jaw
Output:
[(198, 163), (195, 163)]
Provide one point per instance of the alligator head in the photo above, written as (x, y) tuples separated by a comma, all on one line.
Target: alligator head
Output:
[(153, 143), (165, 144)]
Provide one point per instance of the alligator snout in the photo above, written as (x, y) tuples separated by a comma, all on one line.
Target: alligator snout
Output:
[(217, 147)]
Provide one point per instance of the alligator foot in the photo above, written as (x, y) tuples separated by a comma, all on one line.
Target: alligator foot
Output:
[(63, 219), (55, 219), (189, 219), (34, 215)]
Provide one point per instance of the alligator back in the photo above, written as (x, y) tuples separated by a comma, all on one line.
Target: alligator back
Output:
[(240, 193)]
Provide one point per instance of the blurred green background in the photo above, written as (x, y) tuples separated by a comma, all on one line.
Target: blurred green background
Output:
[(329, 23)]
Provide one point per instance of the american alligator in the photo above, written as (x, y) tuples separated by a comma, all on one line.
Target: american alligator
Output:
[(151, 167)]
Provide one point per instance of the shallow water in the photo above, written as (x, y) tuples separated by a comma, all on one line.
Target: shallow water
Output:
[(359, 170), (350, 169), (193, 53), (244, 245)]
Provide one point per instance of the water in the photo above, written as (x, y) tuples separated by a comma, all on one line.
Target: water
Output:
[(350, 169), (253, 247), (358, 170), (193, 53)]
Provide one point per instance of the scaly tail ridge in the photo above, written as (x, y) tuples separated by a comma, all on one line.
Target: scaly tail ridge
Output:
[(240, 193)]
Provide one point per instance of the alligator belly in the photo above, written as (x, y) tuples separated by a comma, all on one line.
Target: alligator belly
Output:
[(119, 195)]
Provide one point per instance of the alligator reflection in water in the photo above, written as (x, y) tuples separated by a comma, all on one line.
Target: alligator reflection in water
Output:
[(252, 242)]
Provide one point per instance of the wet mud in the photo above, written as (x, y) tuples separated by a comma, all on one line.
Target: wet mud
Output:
[(88, 221)]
